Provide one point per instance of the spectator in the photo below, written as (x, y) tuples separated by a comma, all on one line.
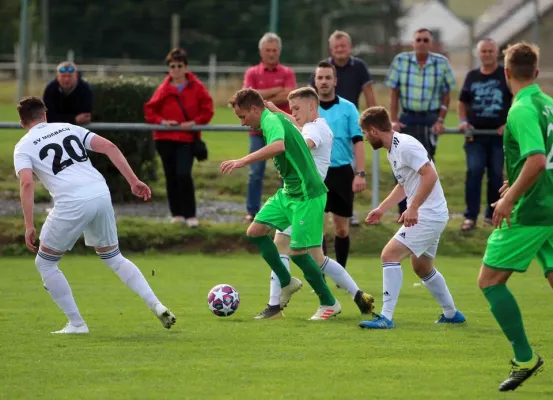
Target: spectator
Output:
[(484, 102), (420, 81), (354, 77), (348, 150), (274, 82), (181, 100), (68, 98)]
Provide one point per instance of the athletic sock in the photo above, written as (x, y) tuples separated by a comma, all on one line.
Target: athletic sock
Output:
[(314, 276), (392, 279), (57, 286), (131, 276), (435, 283), (269, 252), (341, 248), (274, 291), (505, 309), (340, 276)]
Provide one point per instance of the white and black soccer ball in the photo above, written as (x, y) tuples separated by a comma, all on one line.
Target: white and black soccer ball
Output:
[(223, 300)]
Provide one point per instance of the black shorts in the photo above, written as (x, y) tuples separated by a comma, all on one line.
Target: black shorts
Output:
[(339, 181)]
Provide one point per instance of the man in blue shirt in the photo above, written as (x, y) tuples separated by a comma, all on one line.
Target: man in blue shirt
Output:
[(342, 181)]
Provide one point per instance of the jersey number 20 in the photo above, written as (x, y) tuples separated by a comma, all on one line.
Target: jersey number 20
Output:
[(57, 164)]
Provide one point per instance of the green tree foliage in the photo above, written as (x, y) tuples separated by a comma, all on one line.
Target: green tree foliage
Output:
[(122, 100)]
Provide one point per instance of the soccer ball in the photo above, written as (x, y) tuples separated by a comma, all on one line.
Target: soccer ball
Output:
[(223, 300)]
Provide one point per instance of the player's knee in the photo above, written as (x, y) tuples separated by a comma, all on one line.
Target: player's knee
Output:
[(341, 231), (112, 258), (46, 264), (255, 230), (389, 255)]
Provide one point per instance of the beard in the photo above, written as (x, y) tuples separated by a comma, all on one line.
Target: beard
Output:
[(375, 143)]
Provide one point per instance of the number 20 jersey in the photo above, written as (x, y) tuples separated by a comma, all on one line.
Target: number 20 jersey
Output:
[(57, 154)]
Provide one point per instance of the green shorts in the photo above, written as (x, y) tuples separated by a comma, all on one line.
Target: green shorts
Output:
[(514, 248), (305, 216)]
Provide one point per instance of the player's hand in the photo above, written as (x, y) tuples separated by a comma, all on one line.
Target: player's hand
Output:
[(228, 166), (271, 106), (503, 190), (465, 126), (30, 239), (169, 122), (438, 127), (359, 184), (502, 210), (396, 126), (500, 130), (374, 216), (141, 190), (410, 217)]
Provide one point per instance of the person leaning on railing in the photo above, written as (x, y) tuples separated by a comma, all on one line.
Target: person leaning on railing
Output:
[(183, 100)]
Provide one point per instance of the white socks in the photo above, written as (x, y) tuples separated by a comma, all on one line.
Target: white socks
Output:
[(392, 279), (58, 287), (274, 294), (435, 283), (340, 276), (130, 275)]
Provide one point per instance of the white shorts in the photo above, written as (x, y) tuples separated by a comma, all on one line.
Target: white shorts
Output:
[(287, 231), (68, 221), (423, 238)]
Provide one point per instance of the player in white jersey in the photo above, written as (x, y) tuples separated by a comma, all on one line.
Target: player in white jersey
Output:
[(423, 222), (57, 154), (304, 104)]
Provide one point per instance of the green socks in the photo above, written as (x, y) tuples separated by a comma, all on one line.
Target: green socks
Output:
[(270, 254), (314, 276), (505, 309)]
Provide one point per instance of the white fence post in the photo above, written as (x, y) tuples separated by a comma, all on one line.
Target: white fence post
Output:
[(70, 55), (212, 73)]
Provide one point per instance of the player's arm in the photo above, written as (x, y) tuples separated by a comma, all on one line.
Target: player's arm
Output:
[(27, 196), (359, 182), (272, 107), (102, 145), (395, 196), (312, 136), (265, 153), (429, 177)]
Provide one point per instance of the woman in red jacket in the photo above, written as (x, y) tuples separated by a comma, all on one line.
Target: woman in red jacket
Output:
[(180, 100)]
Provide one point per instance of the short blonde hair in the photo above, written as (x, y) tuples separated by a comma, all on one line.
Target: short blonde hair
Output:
[(522, 60), (306, 92), (339, 35)]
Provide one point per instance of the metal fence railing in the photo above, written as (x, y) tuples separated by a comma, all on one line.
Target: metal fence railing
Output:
[(132, 126)]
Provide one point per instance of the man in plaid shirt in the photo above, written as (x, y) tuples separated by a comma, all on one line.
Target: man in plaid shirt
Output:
[(420, 81)]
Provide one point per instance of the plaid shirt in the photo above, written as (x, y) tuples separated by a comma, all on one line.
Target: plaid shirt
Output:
[(420, 88)]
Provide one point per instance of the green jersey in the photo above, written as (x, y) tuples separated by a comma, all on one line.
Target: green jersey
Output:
[(529, 131), (295, 165)]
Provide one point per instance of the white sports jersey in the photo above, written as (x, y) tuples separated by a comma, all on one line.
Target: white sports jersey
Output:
[(321, 134), (406, 156), (57, 155)]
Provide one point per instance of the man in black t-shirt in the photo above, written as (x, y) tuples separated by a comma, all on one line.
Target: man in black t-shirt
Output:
[(484, 102)]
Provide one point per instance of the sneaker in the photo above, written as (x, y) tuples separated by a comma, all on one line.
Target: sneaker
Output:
[(520, 372), (325, 312), (364, 301), (287, 291), (193, 222), (72, 329), (178, 220), (270, 312), (458, 318), (378, 322), (166, 317)]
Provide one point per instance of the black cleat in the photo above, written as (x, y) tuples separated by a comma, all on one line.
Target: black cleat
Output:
[(270, 312), (518, 375), (364, 301)]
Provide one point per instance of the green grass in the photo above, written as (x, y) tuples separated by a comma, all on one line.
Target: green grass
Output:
[(128, 355), (450, 161)]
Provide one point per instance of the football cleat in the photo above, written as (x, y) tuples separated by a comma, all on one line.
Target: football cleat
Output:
[(72, 329), (520, 372), (325, 312), (364, 301), (378, 322), (166, 317), (270, 312), (458, 318), (287, 291)]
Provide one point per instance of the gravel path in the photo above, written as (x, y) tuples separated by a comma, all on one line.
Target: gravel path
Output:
[(215, 211)]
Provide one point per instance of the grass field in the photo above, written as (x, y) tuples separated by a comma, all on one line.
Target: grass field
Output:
[(128, 355)]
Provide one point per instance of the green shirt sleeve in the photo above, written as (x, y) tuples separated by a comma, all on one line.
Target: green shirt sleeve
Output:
[(272, 128), (523, 123)]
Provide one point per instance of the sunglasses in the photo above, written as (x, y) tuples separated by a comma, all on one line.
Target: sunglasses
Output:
[(425, 40), (66, 69), (173, 66)]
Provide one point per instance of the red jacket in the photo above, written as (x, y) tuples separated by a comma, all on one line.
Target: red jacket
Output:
[(163, 105)]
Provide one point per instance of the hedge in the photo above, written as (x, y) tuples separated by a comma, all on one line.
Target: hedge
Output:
[(141, 235), (121, 100)]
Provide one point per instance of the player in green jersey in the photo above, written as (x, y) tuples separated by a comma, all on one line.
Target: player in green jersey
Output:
[(300, 203), (523, 216)]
